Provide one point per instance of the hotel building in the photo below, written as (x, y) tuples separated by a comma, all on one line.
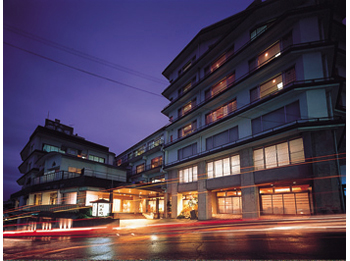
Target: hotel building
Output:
[(257, 113)]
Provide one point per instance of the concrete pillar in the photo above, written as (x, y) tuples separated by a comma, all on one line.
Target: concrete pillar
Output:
[(250, 195), (319, 148), (166, 204), (136, 204), (204, 196), (157, 206)]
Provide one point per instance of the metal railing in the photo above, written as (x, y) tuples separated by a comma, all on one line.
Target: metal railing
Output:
[(243, 77), (64, 175), (251, 104), (147, 168), (251, 137)]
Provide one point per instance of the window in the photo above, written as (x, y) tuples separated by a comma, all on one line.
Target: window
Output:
[(222, 138), (186, 66), (221, 112), (188, 129), (96, 158), (187, 151), (50, 148), (156, 162), (278, 155), (188, 175), (224, 167), (156, 142), (229, 202), (37, 199), (273, 85), (140, 150), (140, 168), (256, 32), (267, 55), (219, 87), (74, 170), (220, 61), (286, 200), (187, 86), (53, 198), (288, 113), (188, 107)]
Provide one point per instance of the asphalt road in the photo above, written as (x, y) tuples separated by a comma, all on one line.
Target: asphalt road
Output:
[(290, 240)]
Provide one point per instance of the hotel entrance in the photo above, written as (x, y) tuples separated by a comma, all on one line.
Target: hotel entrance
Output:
[(286, 200)]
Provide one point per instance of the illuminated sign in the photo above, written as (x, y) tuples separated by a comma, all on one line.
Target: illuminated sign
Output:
[(100, 208)]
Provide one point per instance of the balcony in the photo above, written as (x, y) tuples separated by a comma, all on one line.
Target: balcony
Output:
[(229, 85), (152, 168), (311, 122), (252, 104), (133, 156), (64, 175)]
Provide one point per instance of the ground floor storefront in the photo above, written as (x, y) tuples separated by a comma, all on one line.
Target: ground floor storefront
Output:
[(230, 203)]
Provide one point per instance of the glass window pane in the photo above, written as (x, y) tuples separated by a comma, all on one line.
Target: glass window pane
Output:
[(296, 148), (195, 175), (181, 176), (235, 165), (277, 204), (226, 166), (289, 204), (258, 159), (190, 175), (303, 203), (221, 205), (270, 157), (186, 175), (282, 154), (210, 170), (218, 168), (266, 204)]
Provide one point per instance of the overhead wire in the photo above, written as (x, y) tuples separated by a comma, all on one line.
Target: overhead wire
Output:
[(82, 54), (84, 71)]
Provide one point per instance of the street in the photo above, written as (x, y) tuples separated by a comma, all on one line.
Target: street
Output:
[(324, 239)]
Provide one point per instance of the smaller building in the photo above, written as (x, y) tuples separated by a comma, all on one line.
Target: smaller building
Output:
[(62, 171), (144, 165)]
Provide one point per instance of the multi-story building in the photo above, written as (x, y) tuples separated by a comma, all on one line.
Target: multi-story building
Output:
[(63, 171), (257, 111), (146, 178)]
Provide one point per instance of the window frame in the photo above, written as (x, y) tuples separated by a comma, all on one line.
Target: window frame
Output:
[(263, 157), (213, 167), (191, 172)]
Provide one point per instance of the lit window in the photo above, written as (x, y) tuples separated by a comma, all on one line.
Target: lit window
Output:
[(223, 167), (188, 175), (279, 155)]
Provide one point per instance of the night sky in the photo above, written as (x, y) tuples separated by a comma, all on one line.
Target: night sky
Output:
[(94, 64)]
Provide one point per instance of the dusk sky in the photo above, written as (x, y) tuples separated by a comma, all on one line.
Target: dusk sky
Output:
[(94, 64)]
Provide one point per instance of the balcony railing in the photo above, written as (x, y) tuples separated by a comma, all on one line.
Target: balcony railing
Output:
[(249, 138), (147, 168), (127, 157), (243, 108), (245, 76), (64, 175)]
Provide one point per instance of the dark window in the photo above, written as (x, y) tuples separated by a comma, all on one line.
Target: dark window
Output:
[(288, 113), (222, 138), (187, 151)]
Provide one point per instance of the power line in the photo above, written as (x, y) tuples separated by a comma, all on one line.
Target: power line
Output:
[(82, 55), (84, 71)]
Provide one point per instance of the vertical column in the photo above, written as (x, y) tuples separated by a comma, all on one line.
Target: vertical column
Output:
[(157, 206), (250, 195), (136, 204), (166, 199), (204, 196), (319, 147)]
